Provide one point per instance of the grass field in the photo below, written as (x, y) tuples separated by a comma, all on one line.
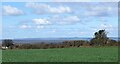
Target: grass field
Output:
[(89, 54)]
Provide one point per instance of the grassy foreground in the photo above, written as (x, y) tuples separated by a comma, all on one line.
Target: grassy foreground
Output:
[(82, 54)]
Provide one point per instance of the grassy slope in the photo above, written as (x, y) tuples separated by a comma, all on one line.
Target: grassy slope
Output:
[(93, 54)]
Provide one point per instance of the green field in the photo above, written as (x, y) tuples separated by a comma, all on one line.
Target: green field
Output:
[(82, 54)]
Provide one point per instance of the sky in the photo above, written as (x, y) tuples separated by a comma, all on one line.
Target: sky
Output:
[(58, 19)]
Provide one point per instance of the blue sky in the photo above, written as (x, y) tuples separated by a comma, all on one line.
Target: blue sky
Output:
[(60, 19)]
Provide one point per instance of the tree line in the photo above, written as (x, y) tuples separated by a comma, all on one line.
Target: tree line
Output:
[(100, 39)]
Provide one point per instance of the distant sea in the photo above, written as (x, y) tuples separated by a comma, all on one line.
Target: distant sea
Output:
[(53, 40)]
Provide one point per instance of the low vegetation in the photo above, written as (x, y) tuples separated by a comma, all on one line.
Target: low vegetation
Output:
[(82, 54)]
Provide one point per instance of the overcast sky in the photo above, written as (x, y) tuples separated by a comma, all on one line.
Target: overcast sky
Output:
[(61, 19)]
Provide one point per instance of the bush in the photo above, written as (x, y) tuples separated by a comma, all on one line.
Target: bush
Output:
[(112, 43)]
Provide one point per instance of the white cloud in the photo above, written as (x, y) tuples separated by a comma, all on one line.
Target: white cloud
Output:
[(65, 20), (9, 10), (59, 9), (44, 8), (24, 26), (56, 20), (41, 21), (72, 18), (104, 26), (53, 31), (101, 11), (40, 27)]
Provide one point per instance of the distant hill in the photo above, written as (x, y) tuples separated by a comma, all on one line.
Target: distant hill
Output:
[(46, 40), (52, 40)]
